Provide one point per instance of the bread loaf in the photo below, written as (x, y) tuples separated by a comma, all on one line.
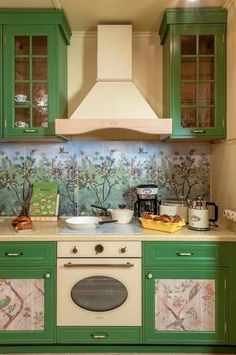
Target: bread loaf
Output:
[(22, 222)]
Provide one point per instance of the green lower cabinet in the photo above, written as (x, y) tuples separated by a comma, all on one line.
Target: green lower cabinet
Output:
[(99, 335), (27, 305), (184, 305), (232, 293)]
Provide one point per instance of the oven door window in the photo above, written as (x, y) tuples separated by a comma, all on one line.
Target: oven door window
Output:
[(99, 293)]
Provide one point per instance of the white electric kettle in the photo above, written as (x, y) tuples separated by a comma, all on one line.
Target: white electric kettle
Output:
[(198, 214)]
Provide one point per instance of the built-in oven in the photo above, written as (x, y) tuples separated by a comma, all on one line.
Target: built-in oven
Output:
[(99, 283)]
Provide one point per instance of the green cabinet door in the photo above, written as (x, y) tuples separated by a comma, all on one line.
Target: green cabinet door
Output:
[(30, 79), (27, 305), (34, 75), (184, 305), (195, 72)]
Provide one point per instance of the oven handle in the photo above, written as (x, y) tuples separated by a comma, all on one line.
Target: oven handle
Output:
[(99, 265)]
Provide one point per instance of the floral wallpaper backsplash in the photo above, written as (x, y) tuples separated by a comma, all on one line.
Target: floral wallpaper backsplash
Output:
[(101, 173)]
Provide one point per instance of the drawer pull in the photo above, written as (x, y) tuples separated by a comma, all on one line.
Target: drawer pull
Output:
[(30, 130), (198, 131), (13, 254), (185, 254), (99, 265), (99, 336)]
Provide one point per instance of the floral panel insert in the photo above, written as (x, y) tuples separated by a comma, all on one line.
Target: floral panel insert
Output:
[(185, 305), (21, 304)]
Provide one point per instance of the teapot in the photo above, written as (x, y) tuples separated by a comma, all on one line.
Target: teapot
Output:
[(198, 214)]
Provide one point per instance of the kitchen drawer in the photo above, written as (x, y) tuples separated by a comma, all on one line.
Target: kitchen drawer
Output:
[(99, 335), (184, 253), (30, 253)]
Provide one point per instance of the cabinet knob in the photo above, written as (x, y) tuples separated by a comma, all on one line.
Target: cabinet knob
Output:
[(99, 248), (149, 276), (123, 250), (47, 275), (75, 249)]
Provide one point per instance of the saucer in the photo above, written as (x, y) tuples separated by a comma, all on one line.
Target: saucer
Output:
[(21, 102)]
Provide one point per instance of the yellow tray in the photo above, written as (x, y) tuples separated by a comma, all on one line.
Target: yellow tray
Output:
[(161, 226)]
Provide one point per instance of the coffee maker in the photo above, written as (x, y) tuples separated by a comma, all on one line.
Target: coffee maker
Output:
[(147, 202)]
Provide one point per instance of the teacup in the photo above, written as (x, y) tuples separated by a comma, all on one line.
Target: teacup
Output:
[(20, 98)]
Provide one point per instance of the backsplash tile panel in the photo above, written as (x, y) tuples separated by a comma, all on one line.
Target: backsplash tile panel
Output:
[(102, 173)]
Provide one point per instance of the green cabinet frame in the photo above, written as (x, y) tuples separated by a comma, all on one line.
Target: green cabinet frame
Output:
[(201, 22), (231, 302), (54, 26), (46, 335), (168, 335), (1, 93), (28, 278), (179, 280)]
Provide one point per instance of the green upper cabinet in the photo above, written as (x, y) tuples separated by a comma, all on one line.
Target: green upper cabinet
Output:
[(1, 109), (194, 71), (34, 72)]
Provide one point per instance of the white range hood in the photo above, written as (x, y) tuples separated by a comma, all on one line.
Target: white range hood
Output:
[(114, 109)]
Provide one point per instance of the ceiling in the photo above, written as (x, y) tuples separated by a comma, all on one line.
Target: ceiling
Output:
[(84, 15)]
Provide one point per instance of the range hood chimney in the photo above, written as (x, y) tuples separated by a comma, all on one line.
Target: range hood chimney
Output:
[(114, 109)]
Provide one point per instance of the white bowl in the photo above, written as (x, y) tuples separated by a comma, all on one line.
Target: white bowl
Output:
[(122, 215), (82, 222)]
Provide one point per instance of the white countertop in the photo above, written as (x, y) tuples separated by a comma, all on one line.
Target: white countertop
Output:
[(51, 231)]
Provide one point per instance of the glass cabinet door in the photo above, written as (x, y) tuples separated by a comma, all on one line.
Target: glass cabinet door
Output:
[(30, 67), (185, 306), (198, 81), (31, 81), (26, 305)]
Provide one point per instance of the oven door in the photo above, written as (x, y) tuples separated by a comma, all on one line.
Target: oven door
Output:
[(99, 292)]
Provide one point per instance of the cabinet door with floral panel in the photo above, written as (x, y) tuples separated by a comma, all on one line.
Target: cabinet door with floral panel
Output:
[(26, 305), (185, 306)]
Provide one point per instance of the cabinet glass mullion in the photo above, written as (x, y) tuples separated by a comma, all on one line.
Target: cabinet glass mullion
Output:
[(197, 81)]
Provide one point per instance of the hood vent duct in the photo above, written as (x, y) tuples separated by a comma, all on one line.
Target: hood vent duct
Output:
[(114, 109)]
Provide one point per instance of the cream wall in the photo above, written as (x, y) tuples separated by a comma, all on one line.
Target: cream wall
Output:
[(147, 64), (223, 170)]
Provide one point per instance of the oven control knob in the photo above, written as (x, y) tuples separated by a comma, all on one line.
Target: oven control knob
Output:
[(123, 250), (75, 249), (99, 248)]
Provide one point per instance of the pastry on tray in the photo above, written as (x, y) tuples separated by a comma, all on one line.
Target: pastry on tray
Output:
[(164, 222), (163, 218)]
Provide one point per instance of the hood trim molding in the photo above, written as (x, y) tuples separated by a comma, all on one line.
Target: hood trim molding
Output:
[(147, 129)]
